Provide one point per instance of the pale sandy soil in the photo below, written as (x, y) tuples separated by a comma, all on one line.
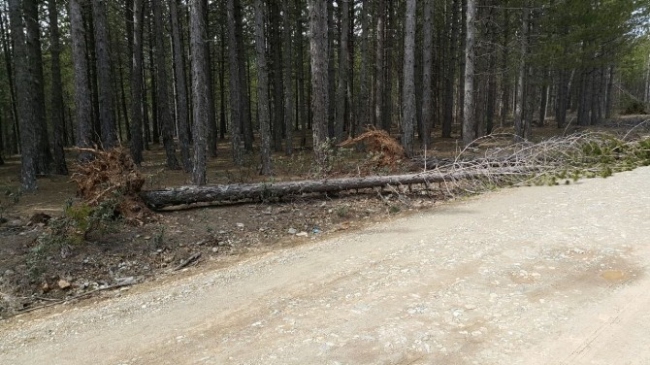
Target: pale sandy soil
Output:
[(545, 275)]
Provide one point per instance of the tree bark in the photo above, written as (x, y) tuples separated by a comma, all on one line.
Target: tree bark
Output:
[(236, 103), (181, 88), (491, 98), (561, 101), (276, 53), (302, 80), (24, 98), (92, 71), (522, 124), (246, 127), (83, 107), (544, 98), (198, 34), (469, 116), (137, 94), (262, 89), (460, 56), (128, 22), (408, 109), (331, 70), (427, 61), (158, 199), (212, 121), (222, 83), (609, 99), (2, 139), (289, 99), (104, 76), (146, 123), (342, 87), (505, 93), (379, 62), (122, 95), (10, 76), (391, 24), (56, 105), (162, 88), (364, 110), (43, 156), (319, 79), (155, 120), (450, 76)]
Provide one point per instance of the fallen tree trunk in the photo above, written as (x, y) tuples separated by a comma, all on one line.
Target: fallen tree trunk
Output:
[(158, 199)]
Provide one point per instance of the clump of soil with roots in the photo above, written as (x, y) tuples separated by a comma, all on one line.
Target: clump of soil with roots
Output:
[(387, 149), (111, 175)]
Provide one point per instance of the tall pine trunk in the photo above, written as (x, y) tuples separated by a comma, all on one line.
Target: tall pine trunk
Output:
[(319, 79), (262, 89), (391, 24), (222, 83), (342, 87), (155, 122), (123, 104), (236, 102), (276, 72), (302, 79), (450, 75), (380, 62), (212, 120), (162, 88), (2, 138), (408, 108), (198, 34), (491, 98), (522, 123), (24, 98), (287, 74), (83, 107), (331, 70), (609, 99), (364, 110), (104, 76), (56, 104), (427, 60), (138, 96), (544, 90), (181, 88), (505, 81), (246, 127), (43, 156), (12, 90), (469, 116)]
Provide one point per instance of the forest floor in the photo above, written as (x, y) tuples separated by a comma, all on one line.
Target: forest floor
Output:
[(35, 273)]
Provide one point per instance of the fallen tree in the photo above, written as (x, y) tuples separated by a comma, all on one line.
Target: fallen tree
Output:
[(158, 199), (545, 163)]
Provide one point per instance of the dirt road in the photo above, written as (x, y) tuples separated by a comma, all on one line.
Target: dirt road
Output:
[(546, 275)]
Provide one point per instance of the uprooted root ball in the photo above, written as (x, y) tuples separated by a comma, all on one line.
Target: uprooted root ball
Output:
[(379, 141), (111, 175)]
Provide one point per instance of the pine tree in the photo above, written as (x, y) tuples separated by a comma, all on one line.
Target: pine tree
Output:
[(318, 42), (200, 89), (408, 99)]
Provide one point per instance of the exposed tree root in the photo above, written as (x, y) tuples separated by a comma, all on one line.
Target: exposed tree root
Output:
[(379, 141), (111, 175)]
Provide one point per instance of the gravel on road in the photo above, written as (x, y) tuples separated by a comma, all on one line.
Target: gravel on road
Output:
[(538, 275)]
